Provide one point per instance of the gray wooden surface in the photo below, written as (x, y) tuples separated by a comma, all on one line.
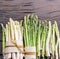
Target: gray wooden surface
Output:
[(45, 9), (18, 8)]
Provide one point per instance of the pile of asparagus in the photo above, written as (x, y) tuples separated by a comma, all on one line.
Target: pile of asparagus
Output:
[(12, 40), (39, 38)]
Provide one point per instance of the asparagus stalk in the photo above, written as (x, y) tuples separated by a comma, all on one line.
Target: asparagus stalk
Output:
[(38, 41), (12, 30), (9, 37), (18, 55), (52, 42), (13, 56), (3, 38), (36, 28), (44, 38), (29, 29), (26, 32), (48, 39), (9, 56), (21, 26), (43, 32), (57, 35)]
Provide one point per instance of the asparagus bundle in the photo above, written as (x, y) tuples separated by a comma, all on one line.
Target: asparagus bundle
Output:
[(30, 35), (14, 40)]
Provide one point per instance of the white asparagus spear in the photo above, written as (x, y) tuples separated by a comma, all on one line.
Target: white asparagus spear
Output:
[(5, 56), (7, 38), (9, 56), (15, 31), (13, 55), (18, 55), (21, 56), (12, 30), (48, 40)]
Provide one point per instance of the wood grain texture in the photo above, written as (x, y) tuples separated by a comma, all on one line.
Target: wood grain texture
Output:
[(45, 9), (18, 8)]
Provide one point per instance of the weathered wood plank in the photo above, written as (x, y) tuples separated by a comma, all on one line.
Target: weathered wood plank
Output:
[(46, 8)]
